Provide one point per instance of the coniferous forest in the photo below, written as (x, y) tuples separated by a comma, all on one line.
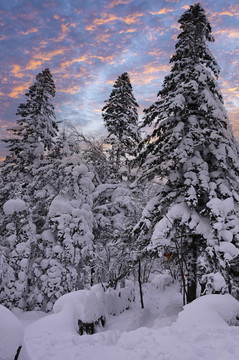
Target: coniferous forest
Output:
[(156, 195)]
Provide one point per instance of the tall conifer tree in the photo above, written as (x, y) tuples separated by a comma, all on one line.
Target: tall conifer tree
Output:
[(192, 149), (120, 116), (36, 126)]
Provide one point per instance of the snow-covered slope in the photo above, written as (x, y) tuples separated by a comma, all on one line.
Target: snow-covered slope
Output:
[(153, 333)]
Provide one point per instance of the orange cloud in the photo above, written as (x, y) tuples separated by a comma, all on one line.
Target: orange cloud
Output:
[(33, 64), (65, 29), (46, 56), (233, 89), (231, 33), (148, 73), (132, 19), (152, 68), (162, 11), (110, 82), (228, 13), (107, 18), (118, 2), (107, 59), (83, 58), (40, 57), (158, 53), (233, 10), (19, 90), (16, 71), (127, 31), (30, 31), (96, 110), (70, 90)]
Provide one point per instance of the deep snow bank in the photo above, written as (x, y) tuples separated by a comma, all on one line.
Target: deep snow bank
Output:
[(210, 309), (11, 336), (201, 331)]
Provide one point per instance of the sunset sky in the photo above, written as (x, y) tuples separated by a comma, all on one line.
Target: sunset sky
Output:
[(88, 43)]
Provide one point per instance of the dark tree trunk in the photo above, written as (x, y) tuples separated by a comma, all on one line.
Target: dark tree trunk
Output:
[(192, 281), (192, 291), (140, 285)]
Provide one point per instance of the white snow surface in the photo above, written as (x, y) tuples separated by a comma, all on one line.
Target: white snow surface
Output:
[(201, 331), (11, 336)]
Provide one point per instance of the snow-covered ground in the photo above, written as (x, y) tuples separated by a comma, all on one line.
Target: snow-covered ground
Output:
[(205, 329)]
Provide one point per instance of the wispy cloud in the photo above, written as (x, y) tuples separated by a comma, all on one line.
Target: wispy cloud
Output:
[(162, 11)]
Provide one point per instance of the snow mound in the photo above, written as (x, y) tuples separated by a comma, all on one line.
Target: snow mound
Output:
[(210, 310), (84, 304), (11, 334), (88, 306), (14, 205)]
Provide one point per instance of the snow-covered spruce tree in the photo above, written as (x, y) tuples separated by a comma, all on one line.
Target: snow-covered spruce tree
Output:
[(36, 126), (33, 136), (120, 116), (192, 149)]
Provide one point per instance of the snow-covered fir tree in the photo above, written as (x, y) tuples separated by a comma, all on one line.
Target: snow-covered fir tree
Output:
[(32, 138), (120, 115), (194, 220), (36, 126)]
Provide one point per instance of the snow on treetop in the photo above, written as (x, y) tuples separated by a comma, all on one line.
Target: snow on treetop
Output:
[(14, 205)]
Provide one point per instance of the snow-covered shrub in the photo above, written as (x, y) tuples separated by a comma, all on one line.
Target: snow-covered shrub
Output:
[(88, 309), (213, 283)]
